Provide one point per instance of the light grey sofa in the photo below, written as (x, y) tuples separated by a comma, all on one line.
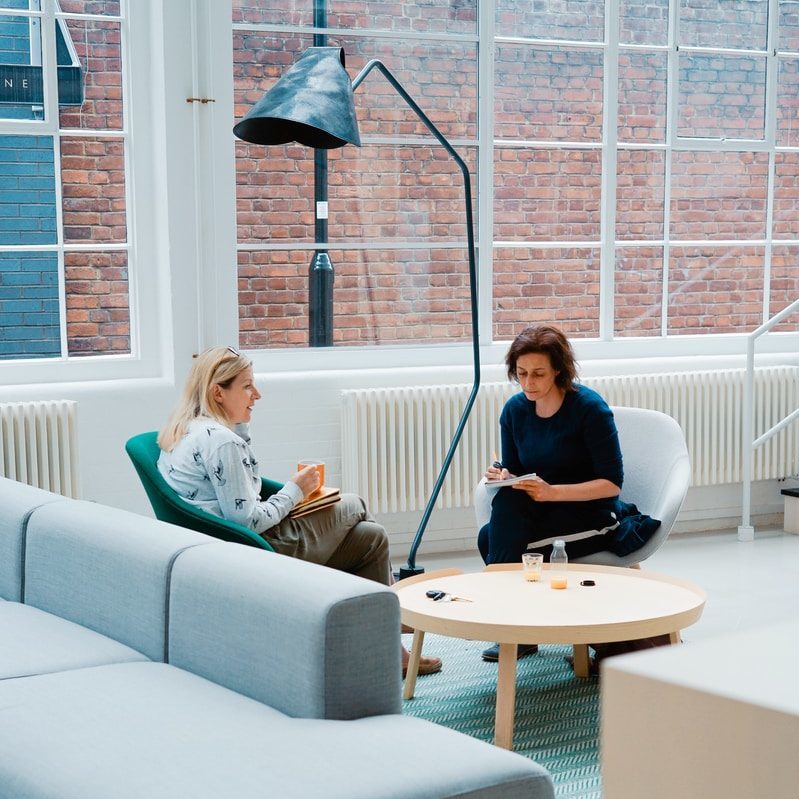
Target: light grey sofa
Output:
[(138, 659)]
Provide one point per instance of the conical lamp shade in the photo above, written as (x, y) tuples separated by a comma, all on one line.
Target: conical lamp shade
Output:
[(311, 104)]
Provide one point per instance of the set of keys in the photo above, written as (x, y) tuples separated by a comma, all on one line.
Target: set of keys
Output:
[(443, 596)]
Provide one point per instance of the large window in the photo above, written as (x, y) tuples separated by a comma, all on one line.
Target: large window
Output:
[(635, 174), (396, 229), (644, 159), (63, 189), (644, 137)]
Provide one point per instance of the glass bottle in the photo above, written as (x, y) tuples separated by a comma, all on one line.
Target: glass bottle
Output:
[(558, 565)]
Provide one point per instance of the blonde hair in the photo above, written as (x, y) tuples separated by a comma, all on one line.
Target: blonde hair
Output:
[(218, 366)]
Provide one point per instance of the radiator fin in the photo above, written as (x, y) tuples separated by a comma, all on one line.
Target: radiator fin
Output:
[(394, 439), (38, 445)]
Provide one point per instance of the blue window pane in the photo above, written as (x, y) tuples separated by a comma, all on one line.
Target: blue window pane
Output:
[(29, 308), (27, 190), (20, 79)]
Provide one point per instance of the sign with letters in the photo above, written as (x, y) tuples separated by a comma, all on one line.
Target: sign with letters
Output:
[(21, 84)]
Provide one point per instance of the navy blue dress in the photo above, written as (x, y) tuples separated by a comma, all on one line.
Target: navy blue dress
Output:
[(578, 443)]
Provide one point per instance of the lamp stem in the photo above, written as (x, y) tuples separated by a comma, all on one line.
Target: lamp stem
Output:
[(410, 569), (321, 273)]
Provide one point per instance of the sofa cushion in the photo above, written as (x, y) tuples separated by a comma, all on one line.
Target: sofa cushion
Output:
[(105, 569), (148, 729), (308, 640), (17, 501), (35, 642)]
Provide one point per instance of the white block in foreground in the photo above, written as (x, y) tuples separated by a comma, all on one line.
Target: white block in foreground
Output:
[(717, 719)]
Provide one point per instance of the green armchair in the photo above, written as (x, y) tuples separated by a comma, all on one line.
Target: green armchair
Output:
[(143, 450)]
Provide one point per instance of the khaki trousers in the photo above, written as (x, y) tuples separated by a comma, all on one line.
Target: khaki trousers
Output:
[(343, 536)]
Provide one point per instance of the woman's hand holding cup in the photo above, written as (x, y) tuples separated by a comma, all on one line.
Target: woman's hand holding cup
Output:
[(308, 478)]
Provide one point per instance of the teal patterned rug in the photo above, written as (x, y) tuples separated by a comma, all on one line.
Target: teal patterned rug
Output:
[(557, 715)]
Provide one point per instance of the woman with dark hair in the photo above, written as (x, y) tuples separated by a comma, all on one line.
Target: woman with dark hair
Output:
[(564, 434)]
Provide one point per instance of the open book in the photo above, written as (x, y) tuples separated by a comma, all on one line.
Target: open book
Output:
[(323, 497), (495, 485)]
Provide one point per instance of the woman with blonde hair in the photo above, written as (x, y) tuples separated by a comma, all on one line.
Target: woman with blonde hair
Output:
[(206, 458)]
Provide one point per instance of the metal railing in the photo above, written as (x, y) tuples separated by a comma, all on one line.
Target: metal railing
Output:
[(746, 532)]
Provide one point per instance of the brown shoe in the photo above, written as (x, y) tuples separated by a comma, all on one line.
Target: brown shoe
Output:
[(427, 665)]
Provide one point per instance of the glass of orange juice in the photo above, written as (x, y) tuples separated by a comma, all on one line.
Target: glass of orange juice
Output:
[(532, 564)]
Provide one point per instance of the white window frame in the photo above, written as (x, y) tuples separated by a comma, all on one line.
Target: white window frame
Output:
[(181, 215), (170, 251)]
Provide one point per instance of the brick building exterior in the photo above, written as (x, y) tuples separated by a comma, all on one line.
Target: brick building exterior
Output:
[(689, 221)]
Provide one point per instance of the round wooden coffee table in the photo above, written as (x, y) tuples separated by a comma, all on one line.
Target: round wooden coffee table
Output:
[(623, 604)]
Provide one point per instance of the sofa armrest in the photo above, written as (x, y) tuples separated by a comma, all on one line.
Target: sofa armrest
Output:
[(307, 640)]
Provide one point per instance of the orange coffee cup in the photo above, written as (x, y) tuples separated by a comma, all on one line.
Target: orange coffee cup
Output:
[(320, 467)]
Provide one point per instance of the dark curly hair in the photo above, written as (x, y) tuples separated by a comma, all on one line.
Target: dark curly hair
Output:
[(549, 341)]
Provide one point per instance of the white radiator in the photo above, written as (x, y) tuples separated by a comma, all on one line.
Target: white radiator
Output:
[(38, 445), (394, 439)]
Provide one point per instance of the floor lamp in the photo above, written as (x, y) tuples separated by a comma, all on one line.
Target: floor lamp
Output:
[(312, 104)]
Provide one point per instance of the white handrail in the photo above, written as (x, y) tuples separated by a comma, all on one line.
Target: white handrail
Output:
[(746, 532)]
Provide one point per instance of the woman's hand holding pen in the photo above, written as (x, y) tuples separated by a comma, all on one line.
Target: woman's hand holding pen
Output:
[(497, 471)]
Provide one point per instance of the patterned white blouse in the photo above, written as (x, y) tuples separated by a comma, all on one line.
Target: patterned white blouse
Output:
[(214, 468)]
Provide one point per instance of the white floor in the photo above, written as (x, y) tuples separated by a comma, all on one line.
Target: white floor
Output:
[(748, 584)]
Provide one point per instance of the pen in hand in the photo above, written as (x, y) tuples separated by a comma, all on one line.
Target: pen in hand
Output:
[(496, 464)]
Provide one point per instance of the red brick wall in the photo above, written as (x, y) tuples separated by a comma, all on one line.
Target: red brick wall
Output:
[(98, 308), (93, 190), (378, 194), (578, 20), (546, 195), (386, 194), (642, 97), (715, 289), (784, 265), (548, 94), (639, 291), (718, 195), (560, 286), (381, 296), (98, 48), (418, 16)]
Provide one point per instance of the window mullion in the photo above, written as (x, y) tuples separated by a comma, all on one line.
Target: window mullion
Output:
[(672, 97), (486, 51), (51, 119), (772, 86), (610, 104)]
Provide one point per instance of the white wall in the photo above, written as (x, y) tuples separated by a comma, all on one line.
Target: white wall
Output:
[(299, 417)]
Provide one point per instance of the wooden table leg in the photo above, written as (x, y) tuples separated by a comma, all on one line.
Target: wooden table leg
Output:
[(413, 664), (675, 637), (506, 696), (581, 663)]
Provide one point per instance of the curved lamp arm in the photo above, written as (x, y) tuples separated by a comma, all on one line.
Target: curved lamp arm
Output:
[(410, 568), (312, 104)]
